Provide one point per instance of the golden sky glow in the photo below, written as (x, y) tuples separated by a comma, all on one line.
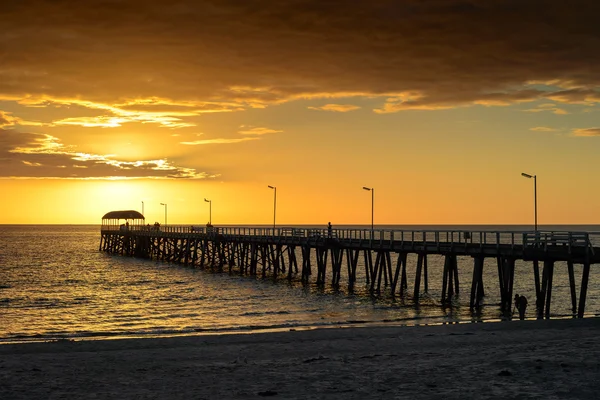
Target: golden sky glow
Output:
[(437, 105)]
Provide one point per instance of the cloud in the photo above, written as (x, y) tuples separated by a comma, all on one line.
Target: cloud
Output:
[(217, 141), (173, 107), (254, 131), (161, 113), (548, 107), (106, 121), (585, 132), (542, 129), (236, 55), (164, 112), (576, 96), (7, 120), (335, 107), (33, 155), (257, 131), (421, 101), (31, 164)]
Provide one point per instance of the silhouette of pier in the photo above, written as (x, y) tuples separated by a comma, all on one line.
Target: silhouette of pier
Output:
[(288, 252)]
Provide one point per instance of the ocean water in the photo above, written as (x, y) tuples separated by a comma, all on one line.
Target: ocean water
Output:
[(55, 284)]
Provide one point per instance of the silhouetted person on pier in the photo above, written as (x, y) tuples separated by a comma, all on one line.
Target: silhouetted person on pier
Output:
[(329, 229)]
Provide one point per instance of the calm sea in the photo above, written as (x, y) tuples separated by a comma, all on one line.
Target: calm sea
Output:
[(54, 283)]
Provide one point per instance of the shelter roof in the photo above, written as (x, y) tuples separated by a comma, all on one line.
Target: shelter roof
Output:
[(127, 214)]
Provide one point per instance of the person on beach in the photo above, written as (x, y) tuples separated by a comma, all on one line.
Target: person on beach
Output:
[(522, 306), (329, 229)]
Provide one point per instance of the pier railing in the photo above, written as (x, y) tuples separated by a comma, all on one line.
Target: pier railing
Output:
[(529, 239)]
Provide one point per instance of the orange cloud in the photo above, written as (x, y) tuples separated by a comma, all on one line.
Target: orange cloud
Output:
[(585, 132), (7, 120), (335, 107), (576, 95), (21, 151), (217, 141), (440, 101), (257, 131), (549, 108), (542, 129), (164, 112), (31, 164)]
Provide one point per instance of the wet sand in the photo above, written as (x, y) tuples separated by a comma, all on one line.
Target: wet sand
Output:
[(520, 359)]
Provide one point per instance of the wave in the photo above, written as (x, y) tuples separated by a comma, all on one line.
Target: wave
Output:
[(260, 313), (157, 332), (162, 332)]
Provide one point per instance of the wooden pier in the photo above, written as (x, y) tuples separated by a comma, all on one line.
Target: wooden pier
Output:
[(289, 252)]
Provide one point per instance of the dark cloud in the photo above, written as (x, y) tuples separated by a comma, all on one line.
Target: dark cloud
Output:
[(32, 155), (449, 52)]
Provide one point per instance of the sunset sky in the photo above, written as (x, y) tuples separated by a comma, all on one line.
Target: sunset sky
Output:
[(439, 105)]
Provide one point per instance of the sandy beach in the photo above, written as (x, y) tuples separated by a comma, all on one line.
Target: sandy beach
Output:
[(520, 359)]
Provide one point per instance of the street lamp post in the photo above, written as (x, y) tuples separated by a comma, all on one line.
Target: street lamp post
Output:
[(372, 190), (142, 208), (165, 204), (209, 211), (274, 205), (534, 197)]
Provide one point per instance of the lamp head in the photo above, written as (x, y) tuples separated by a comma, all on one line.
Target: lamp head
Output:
[(271, 187), (527, 175), (366, 188), (206, 200)]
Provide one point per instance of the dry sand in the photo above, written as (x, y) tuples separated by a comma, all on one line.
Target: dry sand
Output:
[(557, 359)]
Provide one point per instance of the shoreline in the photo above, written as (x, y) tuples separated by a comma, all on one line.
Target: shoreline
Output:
[(100, 336), (524, 359), (256, 330)]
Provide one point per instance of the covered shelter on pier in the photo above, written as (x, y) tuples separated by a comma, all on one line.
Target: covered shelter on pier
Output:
[(122, 220)]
